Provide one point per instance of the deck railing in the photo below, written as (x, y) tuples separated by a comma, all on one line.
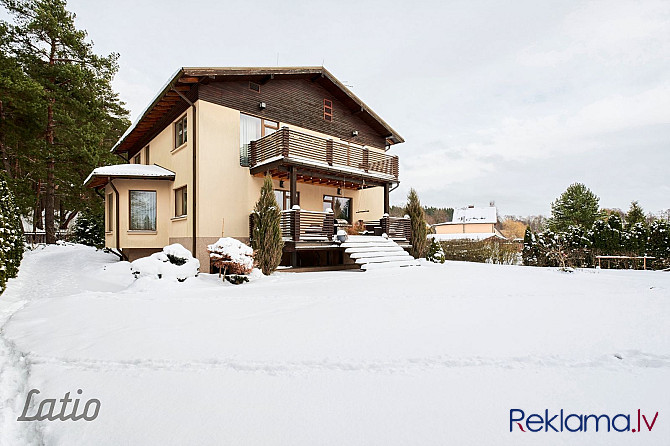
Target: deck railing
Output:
[(299, 225), (286, 143), (397, 228)]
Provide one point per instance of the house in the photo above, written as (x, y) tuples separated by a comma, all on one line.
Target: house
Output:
[(475, 223), (196, 158)]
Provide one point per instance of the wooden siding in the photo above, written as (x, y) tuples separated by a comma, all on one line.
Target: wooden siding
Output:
[(296, 102)]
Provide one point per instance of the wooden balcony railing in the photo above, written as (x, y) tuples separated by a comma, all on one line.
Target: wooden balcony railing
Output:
[(286, 143)]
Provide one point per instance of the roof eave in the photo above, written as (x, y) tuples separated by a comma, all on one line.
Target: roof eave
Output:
[(392, 135)]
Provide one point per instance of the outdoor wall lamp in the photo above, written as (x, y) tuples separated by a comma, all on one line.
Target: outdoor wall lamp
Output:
[(339, 191), (281, 183), (354, 133), (262, 105)]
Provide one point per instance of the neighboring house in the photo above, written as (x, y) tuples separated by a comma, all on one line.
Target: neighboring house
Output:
[(198, 154), (470, 222)]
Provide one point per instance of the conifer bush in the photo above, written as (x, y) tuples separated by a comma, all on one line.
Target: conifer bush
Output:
[(418, 224), (11, 235), (435, 252), (89, 228), (266, 239)]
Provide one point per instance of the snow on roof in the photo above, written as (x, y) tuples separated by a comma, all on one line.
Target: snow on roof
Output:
[(466, 236), (130, 170), (473, 215)]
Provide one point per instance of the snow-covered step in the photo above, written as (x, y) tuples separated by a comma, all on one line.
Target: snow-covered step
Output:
[(384, 259), (364, 249), (359, 244), (369, 255), (372, 252), (396, 264)]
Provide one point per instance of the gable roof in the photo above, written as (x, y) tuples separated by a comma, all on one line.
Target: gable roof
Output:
[(181, 83), (473, 215)]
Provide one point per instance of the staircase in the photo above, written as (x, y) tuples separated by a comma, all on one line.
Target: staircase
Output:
[(373, 252)]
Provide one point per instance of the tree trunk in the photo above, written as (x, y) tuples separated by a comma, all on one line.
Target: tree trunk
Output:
[(49, 224), (3, 149), (50, 193)]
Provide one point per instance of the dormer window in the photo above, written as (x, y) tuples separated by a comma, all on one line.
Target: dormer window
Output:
[(327, 109), (253, 86)]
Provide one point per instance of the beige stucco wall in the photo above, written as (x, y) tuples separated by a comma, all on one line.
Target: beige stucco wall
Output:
[(226, 192), (464, 228)]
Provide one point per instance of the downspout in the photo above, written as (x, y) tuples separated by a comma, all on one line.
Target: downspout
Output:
[(117, 228), (193, 186)]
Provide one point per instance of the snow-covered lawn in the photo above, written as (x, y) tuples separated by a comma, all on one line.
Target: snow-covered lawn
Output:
[(436, 354)]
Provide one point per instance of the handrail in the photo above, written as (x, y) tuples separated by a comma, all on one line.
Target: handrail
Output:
[(287, 143)]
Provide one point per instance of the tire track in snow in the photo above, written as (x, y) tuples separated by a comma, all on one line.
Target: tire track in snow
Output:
[(631, 360)]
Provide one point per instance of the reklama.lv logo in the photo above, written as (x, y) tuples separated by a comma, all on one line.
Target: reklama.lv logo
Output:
[(560, 422)]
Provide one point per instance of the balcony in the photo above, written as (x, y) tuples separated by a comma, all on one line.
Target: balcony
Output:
[(321, 158)]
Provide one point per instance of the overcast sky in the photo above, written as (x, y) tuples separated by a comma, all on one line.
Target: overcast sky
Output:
[(504, 101)]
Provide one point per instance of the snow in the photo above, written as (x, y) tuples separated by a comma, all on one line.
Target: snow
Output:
[(466, 236), (436, 354), (473, 215), (159, 266), (130, 170), (233, 250)]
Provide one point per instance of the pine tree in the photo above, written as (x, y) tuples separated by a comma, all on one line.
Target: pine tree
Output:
[(79, 113), (635, 215), (528, 253), (418, 224), (267, 239), (659, 242), (577, 206), (11, 235)]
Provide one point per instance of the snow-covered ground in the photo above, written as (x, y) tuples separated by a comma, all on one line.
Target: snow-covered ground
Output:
[(436, 354)]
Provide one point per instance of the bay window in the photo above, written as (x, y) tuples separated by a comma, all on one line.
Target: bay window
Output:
[(142, 210)]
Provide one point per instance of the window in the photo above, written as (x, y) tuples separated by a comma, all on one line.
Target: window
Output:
[(146, 156), (180, 206), (142, 210), (327, 109), (110, 212), (180, 132), (251, 129), (137, 159), (283, 198), (253, 86), (341, 206)]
